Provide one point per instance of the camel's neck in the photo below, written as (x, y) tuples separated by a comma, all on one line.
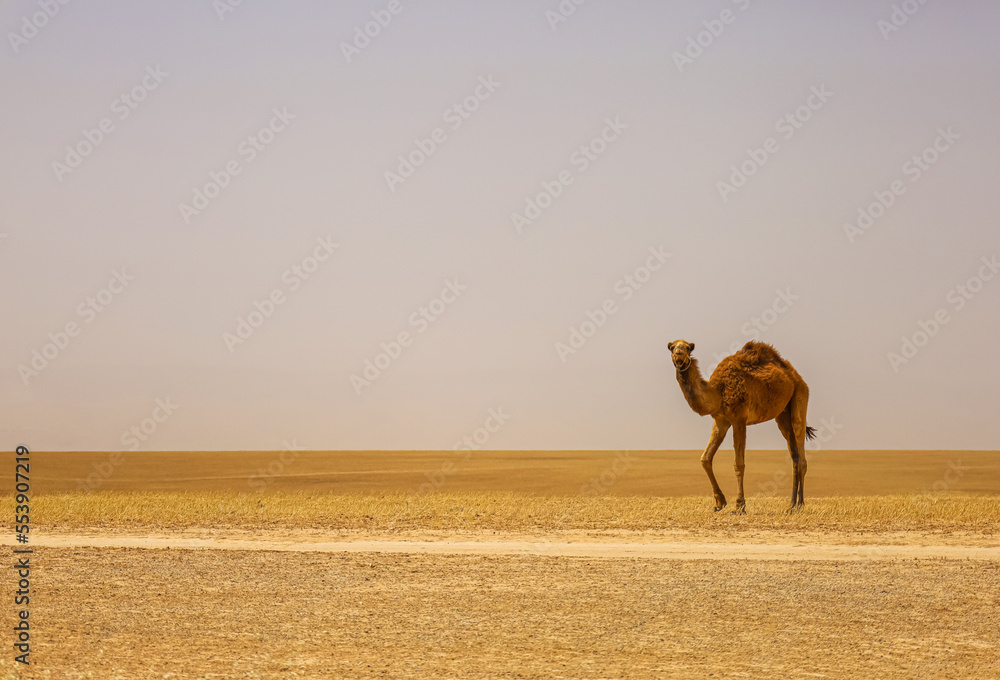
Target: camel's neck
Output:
[(702, 397)]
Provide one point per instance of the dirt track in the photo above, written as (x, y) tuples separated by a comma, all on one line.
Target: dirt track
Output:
[(804, 548)]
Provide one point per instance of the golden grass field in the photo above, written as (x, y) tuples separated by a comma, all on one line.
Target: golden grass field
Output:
[(516, 565), (396, 512)]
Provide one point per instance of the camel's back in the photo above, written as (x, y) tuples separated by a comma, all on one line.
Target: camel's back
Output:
[(753, 357), (755, 380)]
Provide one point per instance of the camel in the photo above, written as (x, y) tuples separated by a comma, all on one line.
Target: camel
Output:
[(752, 386)]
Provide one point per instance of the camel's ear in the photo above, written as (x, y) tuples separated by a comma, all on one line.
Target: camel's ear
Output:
[(691, 347), (670, 346)]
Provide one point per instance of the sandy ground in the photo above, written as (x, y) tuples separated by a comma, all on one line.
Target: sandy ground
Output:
[(715, 599), (483, 608), (632, 473)]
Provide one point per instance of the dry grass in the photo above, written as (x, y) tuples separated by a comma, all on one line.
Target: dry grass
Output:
[(499, 511)]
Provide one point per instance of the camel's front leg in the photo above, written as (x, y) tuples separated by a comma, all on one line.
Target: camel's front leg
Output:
[(719, 429), (740, 445)]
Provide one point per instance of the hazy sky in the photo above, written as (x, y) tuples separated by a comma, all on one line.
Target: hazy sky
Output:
[(480, 176)]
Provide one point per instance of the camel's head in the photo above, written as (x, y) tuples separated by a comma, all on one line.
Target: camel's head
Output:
[(680, 354)]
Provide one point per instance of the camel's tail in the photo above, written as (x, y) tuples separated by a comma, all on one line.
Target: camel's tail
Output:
[(810, 432)]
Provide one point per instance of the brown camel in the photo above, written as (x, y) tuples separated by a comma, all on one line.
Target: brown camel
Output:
[(752, 386)]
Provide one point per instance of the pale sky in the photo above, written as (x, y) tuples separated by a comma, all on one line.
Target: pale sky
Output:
[(114, 115)]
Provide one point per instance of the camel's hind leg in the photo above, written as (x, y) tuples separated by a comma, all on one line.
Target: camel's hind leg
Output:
[(740, 446), (784, 421), (719, 429), (792, 423)]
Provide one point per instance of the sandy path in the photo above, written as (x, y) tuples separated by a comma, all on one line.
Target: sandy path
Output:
[(670, 550)]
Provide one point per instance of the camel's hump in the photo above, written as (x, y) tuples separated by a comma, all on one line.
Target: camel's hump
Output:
[(757, 353)]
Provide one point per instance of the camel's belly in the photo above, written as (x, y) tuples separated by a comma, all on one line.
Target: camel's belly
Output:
[(768, 405), (758, 419)]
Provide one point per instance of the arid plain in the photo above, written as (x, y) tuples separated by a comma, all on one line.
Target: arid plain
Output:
[(575, 564)]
